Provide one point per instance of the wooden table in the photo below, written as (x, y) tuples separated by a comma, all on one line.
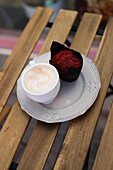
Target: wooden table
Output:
[(78, 138)]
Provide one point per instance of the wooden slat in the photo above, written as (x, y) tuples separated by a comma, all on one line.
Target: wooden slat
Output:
[(60, 29), (17, 121), (44, 135), (88, 28), (21, 52), (104, 157), (80, 132), (1, 75), (4, 113), (11, 134)]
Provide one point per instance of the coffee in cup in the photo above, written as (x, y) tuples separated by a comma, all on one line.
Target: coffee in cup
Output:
[(40, 79), (41, 82)]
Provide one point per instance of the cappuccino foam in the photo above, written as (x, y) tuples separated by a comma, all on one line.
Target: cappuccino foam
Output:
[(39, 79)]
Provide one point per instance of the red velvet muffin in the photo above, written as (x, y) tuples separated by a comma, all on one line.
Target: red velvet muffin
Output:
[(67, 61)]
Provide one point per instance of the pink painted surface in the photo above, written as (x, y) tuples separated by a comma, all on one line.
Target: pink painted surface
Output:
[(92, 53), (8, 40)]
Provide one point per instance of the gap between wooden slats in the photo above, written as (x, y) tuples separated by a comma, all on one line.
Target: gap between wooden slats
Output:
[(32, 153), (17, 121), (21, 52), (44, 134), (104, 157), (80, 132)]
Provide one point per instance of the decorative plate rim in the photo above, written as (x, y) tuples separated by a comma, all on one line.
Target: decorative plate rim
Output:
[(54, 118)]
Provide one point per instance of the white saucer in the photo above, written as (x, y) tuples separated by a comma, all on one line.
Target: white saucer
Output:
[(73, 100)]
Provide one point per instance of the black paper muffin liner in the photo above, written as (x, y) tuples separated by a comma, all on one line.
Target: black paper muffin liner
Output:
[(67, 61)]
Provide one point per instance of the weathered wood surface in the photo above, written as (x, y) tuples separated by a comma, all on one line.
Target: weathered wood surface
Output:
[(86, 33), (17, 121), (60, 29), (38, 160), (21, 52), (78, 138), (104, 157), (80, 132), (4, 113), (11, 135), (44, 134)]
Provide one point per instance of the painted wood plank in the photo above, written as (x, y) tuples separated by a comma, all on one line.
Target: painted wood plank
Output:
[(21, 52), (80, 132)]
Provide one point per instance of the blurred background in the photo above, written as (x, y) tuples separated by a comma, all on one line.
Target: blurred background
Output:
[(14, 14)]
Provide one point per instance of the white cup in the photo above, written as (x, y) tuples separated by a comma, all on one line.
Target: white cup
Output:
[(47, 79)]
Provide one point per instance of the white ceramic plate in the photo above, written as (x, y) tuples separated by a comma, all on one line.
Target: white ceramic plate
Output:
[(73, 100)]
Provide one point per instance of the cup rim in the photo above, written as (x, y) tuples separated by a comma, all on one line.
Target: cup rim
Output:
[(35, 65)]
